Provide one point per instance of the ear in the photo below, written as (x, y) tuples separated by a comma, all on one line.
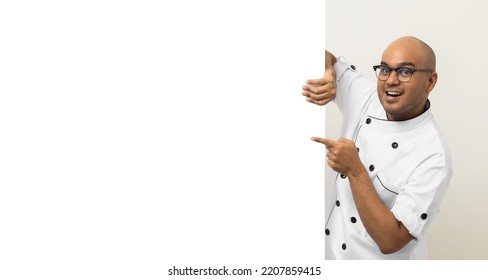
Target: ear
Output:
[(431, 82)]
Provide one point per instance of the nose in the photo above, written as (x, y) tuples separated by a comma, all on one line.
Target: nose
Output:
[(393, 79)]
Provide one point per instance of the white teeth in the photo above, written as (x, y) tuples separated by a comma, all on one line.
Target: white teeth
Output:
[(393, 93)]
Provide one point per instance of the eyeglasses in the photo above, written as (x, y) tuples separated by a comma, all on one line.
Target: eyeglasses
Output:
[(403, 74)]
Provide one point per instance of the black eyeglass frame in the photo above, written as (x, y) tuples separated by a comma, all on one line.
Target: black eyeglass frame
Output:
[(376, 67)]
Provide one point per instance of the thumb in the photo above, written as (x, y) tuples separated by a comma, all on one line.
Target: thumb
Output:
[(316, 82)]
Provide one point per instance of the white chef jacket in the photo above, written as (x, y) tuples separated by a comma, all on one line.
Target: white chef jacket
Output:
[(409, 164)]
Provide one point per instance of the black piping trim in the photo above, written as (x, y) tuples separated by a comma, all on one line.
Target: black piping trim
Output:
[(384, 186), (378, 119), (357, 134), (333, 207)]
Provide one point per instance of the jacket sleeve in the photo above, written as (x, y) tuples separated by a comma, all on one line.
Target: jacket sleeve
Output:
[(420, 201), (354, 92)]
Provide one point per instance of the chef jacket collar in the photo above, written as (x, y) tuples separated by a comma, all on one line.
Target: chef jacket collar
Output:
[(385, 125)]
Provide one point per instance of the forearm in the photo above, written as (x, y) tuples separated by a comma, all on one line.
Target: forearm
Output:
[(388, 233)]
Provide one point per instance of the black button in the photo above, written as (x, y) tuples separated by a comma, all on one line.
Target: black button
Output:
[(353, 220), (343, 176), (344, 246), (368, 121), (338, 203), (394, 145), (371, 167), (353, 67), (423, 216), (327, 231)]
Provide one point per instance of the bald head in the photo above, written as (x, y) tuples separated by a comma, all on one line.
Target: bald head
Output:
[(416, 47)]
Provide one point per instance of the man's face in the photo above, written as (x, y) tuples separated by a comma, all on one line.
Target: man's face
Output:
[(405, 100)]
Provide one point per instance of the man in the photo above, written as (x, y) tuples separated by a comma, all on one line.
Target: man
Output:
[(392, 166)]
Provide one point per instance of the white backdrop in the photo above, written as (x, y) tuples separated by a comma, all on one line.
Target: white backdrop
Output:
[(138, 135)]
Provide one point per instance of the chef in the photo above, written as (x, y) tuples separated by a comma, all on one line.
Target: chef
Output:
[(392, 166)]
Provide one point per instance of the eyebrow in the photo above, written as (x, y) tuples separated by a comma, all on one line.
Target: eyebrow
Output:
[(403, 64)]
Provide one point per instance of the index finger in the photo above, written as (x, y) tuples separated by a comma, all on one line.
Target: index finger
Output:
[(327, 142)]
